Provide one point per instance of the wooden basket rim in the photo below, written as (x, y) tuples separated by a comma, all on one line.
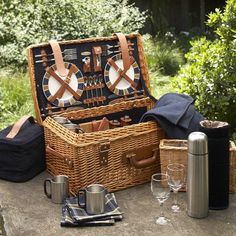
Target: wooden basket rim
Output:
[(83, 40), (232, 146), (165, 144), (98, 136)]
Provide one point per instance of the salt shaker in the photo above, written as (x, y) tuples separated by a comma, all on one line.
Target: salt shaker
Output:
[(197, 178)]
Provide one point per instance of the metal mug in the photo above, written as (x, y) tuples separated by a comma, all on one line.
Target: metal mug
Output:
[(61, 120), (94, 199), (73, 127), (59, 188)]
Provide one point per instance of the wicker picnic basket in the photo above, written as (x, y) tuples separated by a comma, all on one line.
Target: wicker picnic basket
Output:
[(117, 158), (175, 151)]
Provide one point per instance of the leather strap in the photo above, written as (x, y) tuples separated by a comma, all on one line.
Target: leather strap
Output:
[(17, 126), (61, 81), (103, 124), (100, 125), (97, 51), (62, 89), (124, 51), (58, 57), (140, 157), (121, 75)]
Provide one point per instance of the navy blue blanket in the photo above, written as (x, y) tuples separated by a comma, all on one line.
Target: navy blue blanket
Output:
[(176, 114)]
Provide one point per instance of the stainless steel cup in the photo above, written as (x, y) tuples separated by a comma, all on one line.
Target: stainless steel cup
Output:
[(73, 127), (94, 196), (61, 120), (59, 188)]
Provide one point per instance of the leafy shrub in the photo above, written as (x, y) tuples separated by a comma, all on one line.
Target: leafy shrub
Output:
[(163, 61), (210, 73), (27, 22), (163, 56), (183, 38), (15, 97)]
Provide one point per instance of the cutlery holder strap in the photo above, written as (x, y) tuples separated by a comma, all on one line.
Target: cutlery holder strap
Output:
[(124, 51), (58, 57), (17, 126)]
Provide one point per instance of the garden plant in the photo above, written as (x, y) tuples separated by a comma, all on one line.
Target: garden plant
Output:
[(210, 72)]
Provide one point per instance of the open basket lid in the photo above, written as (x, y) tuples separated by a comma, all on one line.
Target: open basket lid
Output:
[(95, 74)]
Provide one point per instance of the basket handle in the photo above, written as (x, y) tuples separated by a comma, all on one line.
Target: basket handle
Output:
[(17, 126), (67, 159), (138, 162)]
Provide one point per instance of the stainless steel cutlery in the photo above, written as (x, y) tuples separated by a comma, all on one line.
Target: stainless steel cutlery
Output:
[(68, 57), (67, 51)]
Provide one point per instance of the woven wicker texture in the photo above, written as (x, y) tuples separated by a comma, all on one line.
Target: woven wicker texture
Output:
[(175, 151), (109, 109), (79, 155)]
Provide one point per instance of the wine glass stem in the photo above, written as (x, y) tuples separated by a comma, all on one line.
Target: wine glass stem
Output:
[(175, 197), (161, 208)]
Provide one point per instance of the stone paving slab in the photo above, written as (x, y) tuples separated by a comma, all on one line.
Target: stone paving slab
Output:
[(26, 211), (2, 230)]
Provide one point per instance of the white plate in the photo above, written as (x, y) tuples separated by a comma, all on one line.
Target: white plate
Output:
[(51, 86), (111, 75)]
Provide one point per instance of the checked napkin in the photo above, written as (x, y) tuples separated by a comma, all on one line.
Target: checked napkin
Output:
[(73, 215)]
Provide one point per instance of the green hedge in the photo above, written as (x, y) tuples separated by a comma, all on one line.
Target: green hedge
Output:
[(210, 73), (15, 97), (27, 22)]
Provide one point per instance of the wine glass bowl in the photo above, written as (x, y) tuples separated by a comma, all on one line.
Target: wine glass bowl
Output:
[(176, 178), (175, 185), (161, 191)]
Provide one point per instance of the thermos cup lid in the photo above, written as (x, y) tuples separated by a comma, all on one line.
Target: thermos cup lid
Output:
[(197, 143)]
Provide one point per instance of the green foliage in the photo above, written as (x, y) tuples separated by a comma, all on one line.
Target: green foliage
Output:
[(34, 21), (164, 59), (160, 84), (163, 56), (15, 97), (224, 23), (210, 73)]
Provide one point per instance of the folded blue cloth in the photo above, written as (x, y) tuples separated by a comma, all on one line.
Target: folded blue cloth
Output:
[(176, 114), (73, 215)]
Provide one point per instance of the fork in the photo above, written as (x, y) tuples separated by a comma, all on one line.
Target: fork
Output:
[(108, 52), (108, 46), (68, 57), (67, 51)]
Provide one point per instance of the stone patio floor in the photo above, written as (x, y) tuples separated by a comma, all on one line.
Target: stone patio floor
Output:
[(26, 211)]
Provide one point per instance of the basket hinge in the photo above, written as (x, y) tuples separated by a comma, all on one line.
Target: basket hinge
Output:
[(103, 155)]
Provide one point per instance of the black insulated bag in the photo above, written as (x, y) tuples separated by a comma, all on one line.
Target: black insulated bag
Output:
[(22, 150)]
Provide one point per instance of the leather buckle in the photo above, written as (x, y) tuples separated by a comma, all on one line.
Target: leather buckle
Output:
[(69, 162), (104, 150)]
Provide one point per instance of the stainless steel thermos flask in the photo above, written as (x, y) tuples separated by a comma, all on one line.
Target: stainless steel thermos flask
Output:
[(197, 178)]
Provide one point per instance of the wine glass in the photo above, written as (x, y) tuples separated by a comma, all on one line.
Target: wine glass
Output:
[(176, 178), (161, 191)]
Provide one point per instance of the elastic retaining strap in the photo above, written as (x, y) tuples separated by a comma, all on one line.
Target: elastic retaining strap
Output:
[(58, 57), (124, 51)]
